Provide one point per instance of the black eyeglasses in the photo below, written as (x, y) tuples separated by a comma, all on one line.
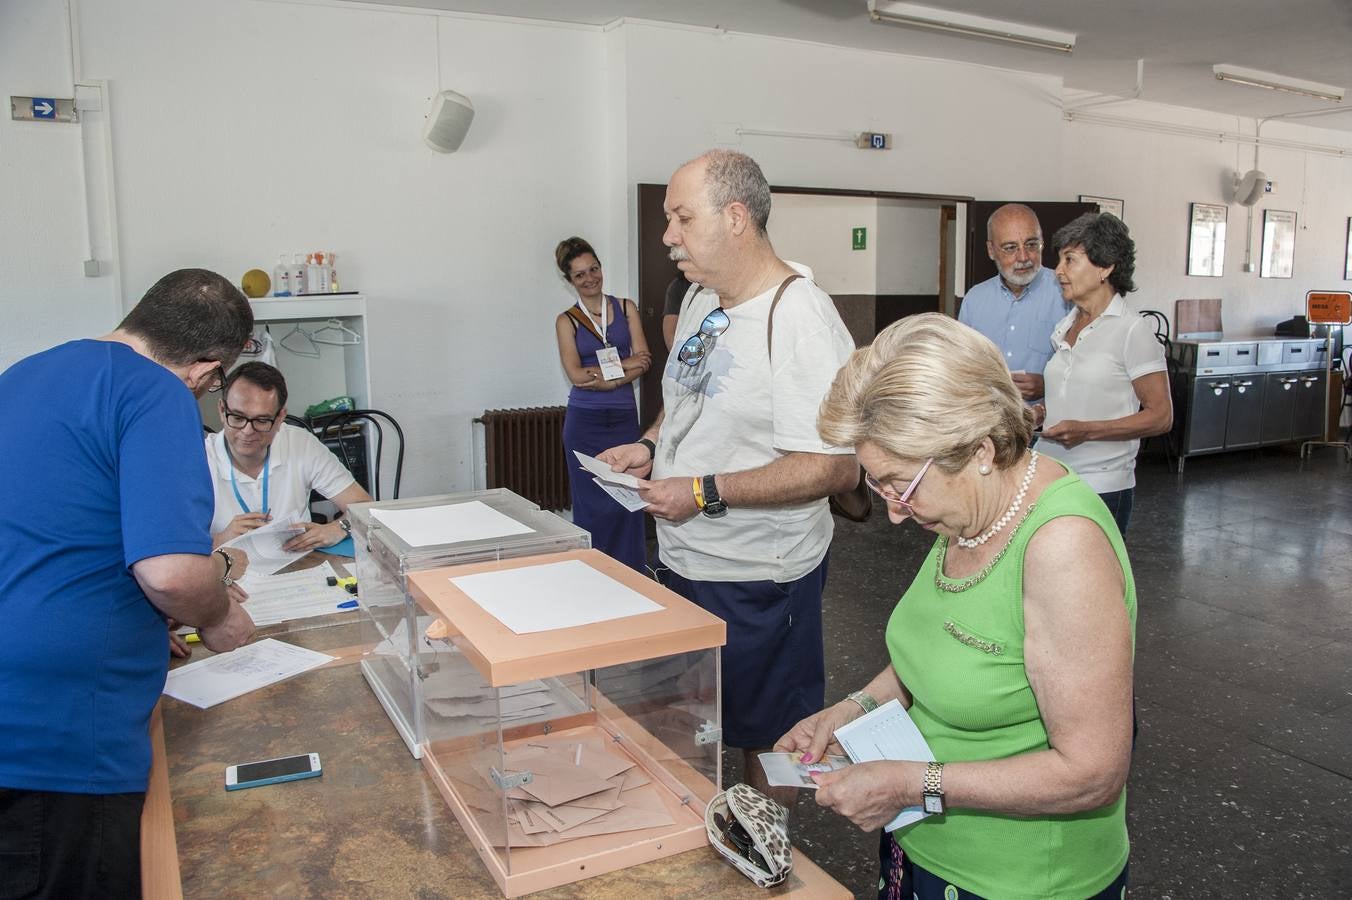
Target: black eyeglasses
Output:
[(217, 379), (697, 345), (735, 838), (260, 424)]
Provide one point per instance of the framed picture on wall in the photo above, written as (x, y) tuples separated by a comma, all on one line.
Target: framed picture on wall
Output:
[(1279, 244), (1105, 204), (1206, 239), (1347, 259)]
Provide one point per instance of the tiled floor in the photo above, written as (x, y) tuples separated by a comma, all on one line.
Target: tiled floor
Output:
[(1241, 782)]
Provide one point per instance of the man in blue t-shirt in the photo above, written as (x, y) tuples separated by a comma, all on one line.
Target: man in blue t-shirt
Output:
[(104, 535), (1018, 308)]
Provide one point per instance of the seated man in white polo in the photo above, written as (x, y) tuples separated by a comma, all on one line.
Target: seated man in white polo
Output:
[(262, 467)]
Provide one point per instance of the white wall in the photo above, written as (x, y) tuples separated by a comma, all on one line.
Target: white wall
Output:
[(234, 141), (908, 247), (816, 231), (225, 158), (1158, 175), (44, 296)]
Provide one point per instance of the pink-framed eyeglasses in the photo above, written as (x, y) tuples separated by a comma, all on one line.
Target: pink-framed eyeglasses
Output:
[(891, 496)]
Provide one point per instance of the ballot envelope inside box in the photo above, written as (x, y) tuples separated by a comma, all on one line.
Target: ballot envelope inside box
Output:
[(394, 538), (572, 750)]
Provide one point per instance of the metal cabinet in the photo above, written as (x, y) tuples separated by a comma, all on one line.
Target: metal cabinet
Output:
[(1231, 395), (1244, 420), (1278, 401), (1207, 414), (1307, 413)]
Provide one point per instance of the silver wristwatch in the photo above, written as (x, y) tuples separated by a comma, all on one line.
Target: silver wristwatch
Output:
[(866, 703)]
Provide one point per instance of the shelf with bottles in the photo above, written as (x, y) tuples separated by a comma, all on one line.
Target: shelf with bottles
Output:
[(308, 306)]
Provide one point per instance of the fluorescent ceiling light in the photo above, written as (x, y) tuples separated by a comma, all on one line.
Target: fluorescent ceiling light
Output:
[(1274, 82), (915, 16)]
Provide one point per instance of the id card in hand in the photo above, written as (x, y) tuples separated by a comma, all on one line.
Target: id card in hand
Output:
[(785, 769)]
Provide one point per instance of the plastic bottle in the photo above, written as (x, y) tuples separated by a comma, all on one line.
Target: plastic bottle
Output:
[(316, 282), (333, 275), (281, 279), (297, 275)]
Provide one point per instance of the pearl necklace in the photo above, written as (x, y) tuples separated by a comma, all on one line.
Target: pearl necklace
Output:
[(1000, 523)]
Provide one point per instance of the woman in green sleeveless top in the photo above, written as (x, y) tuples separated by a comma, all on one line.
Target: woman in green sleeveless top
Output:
[(1012, 648)]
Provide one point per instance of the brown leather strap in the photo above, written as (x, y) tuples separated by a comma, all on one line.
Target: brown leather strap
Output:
[(581, 318), (770, 319)]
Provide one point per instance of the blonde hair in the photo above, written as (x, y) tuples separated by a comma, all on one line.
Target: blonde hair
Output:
[(928, 386)]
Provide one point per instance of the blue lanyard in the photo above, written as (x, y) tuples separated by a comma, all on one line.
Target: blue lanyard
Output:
[(234, 484)]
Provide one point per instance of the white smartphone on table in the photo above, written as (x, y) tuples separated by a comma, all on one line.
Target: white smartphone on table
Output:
[(272, 771)]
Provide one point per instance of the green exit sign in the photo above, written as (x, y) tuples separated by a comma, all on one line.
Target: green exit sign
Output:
[(859, 239)]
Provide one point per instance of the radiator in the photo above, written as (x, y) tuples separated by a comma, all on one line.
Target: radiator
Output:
[(524, 448)]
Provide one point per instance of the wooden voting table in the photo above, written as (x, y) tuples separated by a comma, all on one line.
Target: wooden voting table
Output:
[(373, 826)]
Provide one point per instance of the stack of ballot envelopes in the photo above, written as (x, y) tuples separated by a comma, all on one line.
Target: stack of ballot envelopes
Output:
[(578, 788)]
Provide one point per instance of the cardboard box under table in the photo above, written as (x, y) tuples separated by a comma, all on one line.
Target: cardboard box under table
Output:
[(570, 752), (397, 537)]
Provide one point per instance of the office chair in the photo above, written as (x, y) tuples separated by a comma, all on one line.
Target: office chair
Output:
[(333, 426), (1161, 324)]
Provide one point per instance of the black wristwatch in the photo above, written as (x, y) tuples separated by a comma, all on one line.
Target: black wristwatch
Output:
[(652, 448), (714, 506), (229, 564), (344, 524)]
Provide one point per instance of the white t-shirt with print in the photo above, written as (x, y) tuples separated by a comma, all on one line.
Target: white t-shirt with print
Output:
[(299, 462), (731, 413), (1092, 382)]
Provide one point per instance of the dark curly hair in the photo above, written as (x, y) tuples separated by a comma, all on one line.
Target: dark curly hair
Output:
[(1106, 242), (570, 249)]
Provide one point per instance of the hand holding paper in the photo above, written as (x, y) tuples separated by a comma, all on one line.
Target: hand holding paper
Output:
[(787, 769), (621, 486), (887, 733)]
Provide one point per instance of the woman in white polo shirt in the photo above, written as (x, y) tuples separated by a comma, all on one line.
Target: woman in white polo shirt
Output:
[(1107, 383)]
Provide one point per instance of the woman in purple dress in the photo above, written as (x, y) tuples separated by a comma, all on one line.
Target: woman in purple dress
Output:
[(602, 349)]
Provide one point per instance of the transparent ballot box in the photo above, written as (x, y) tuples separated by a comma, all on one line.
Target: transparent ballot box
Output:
[(398, 537), (589, 746)]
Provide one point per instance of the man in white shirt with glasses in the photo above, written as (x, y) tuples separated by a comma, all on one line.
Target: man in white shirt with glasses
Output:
[(735, 472), (262, 467), (1018, 308)]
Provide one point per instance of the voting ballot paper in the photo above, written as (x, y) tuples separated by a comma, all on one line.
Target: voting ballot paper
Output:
[(226, 676)]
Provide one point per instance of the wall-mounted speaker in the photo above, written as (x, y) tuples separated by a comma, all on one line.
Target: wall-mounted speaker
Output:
[(448, 121), (1249, 187)]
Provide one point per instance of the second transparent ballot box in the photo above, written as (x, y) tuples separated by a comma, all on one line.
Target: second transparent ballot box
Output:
[(398, 537), (571, 712)]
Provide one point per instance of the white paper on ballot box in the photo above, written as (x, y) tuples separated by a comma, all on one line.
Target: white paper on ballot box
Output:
[(551, 596), (451, 524)]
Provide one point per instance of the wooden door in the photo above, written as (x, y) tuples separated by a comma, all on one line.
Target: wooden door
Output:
[(1051, 215), (655, 272)]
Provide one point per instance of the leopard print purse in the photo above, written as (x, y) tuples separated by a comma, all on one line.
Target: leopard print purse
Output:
[(751, 831)]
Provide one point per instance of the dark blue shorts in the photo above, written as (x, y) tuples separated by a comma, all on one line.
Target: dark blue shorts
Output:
[(774, 671)]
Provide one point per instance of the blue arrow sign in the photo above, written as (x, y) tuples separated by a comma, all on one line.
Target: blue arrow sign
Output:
[(44, 108)]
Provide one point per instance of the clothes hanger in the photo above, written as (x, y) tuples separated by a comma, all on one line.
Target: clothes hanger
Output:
[(336, 333), (297, 334)]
